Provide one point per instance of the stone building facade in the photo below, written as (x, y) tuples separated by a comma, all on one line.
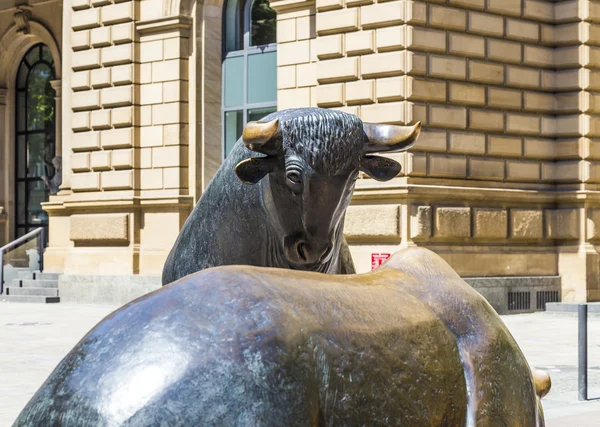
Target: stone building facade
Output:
[(149, 95)]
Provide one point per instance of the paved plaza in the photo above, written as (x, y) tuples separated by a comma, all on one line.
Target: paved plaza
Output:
[(35, 337)]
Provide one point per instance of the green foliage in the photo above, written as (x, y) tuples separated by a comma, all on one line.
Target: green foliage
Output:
[(264, 21)]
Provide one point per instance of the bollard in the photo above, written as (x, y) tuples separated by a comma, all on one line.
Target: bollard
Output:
[(583, 379)]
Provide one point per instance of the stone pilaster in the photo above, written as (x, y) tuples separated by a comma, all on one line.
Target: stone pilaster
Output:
[(57, 86), (4, 169)]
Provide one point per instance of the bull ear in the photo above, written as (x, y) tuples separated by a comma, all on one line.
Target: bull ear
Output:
[(252, 170), (379, 168)]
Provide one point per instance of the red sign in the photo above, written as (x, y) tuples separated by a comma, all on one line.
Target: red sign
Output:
[(378, 259)]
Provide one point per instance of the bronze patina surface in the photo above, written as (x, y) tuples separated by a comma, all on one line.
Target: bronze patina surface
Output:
[(409, 344)]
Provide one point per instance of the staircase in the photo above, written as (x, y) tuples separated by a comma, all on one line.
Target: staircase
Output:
[(32, 286)]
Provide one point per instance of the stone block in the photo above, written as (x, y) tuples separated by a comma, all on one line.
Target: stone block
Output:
[(286, 30), (525, 124), (117, 55), (306, 76), (123, 33), (447, 68), (337, 70), (390, 89), (117, 180), (122, 117), (293, 98), (538, 10), (85, 141), (448, 117), (97, 228), (88, 100), (100, 78), (80, 162), (431, 141), (175, 178), (151, 94), (331, 95), (360, 92), (381, 14), (467, 45), (593, 224), (490, 223), (504, 51), (100, 37), (536, 101), (286, 77), (505, 7), (100, 119), (80, 4), (504, 146), (486, 169), (453, 223), (329, 47), (416, 164), (372, 223), (170, 156), (522, 170), (391, 112), (467, 94), (328, 5), (389, 39), (85, 59), (420, 222), (80, 81), (151, 179), (486, 120), (536, 148), (426, 90), (526, 224), (87, 181), (100, 160), (426, 40), (80, 40), (486, 24), (562, 224), (117, 96), (117, 138), (290, 53), (360, 42), (448, 18), (510, 99), (80, 121), (537, 56), (381, 64), (519, 29), (118, 13), (467, 143), (145, 158), (337, 21), (174, 112), (84, 19), (447, 166), (122, 74), (151, 51), (522, 77), (122, 159), (483, 72)]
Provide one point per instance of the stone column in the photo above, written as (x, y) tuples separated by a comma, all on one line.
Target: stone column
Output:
[(4, 170), (57, 86)]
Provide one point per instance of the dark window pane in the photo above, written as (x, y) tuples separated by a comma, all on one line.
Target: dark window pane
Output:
[(233, 129), (259, 113), (37, 195), (21, 157), (21, 110), (22, 76), (263, 24), (234, 81), (21, 203), (40, 98), (234, 26), (33, 55), (47, 55), (21, 231), (39, 155), (262, 77)]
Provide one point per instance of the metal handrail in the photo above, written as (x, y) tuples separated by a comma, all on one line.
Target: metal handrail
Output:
[(17, 242)]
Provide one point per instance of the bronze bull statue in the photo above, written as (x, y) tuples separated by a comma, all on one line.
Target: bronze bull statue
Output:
[(409, 344)]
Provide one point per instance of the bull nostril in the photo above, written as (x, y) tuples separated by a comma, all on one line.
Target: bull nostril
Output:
[(301, 249), (326, 252)]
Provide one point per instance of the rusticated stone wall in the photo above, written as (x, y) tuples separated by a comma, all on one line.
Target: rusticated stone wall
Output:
[(503, 180)]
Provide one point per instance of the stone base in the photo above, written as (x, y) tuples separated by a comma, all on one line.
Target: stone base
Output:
[(114, 290), (512, 295)]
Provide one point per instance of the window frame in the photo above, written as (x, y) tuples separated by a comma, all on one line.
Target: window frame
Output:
[(245, 51)]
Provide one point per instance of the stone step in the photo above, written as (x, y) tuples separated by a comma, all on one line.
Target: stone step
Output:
[(46, 276), (42, 292), (28, 298), (25, 274), (37, 283)]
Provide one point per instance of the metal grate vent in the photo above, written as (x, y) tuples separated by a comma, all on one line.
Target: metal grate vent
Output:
[(544, 297), (519, 301)]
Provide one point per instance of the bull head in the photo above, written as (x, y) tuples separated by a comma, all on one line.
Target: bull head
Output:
[(265, 138)]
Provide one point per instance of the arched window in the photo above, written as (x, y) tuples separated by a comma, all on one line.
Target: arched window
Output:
[(35, 137), (249, 66)]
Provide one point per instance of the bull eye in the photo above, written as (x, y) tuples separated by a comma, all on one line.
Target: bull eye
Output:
[(294, 177)]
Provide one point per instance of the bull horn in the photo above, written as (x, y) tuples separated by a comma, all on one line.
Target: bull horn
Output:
[(542, 382), (390, 137), (262, 137)]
